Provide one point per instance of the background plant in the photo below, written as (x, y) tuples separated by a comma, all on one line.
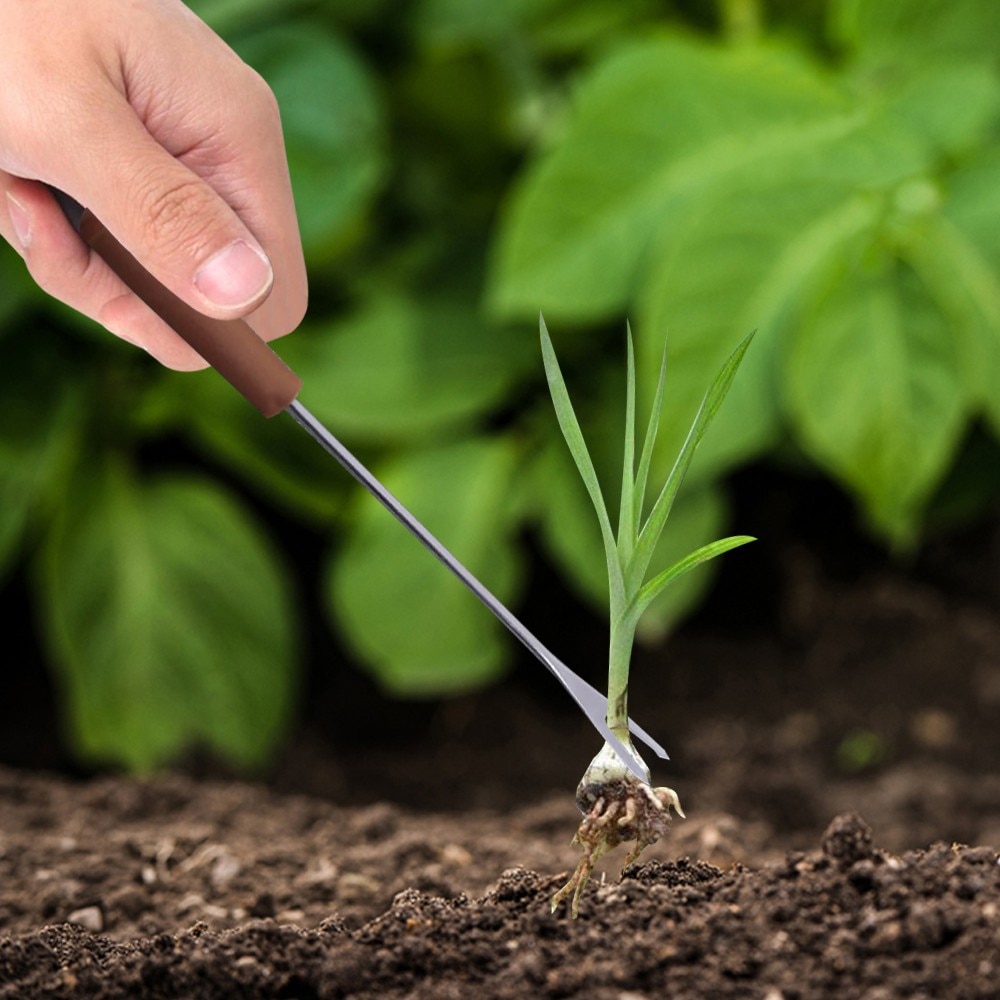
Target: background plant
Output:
[(827, 173)]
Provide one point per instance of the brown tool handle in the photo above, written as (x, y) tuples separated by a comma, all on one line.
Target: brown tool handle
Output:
[(230, 346)]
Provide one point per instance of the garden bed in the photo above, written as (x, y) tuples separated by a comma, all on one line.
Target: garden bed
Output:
[(830, 762)]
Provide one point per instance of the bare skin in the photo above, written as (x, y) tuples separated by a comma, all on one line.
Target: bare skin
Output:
[(139, 111)]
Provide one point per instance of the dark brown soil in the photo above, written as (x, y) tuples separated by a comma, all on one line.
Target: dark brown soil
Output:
[(220, 891), (424, 869)]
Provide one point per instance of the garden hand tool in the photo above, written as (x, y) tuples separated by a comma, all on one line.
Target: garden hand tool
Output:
[(254, 370)]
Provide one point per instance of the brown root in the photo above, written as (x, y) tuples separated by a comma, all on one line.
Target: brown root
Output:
[(615, 810)]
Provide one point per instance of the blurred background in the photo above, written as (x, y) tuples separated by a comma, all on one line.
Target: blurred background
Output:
[(181, 576)]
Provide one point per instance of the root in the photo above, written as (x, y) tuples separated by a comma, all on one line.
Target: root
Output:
[(616, 808)]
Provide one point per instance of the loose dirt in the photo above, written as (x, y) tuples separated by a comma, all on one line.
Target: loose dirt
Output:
[(837, 762), (177, 889)]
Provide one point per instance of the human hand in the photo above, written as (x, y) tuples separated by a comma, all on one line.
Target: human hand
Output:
[(140, 112)]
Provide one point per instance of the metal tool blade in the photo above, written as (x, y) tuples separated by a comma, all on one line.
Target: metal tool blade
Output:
[(591, 701)]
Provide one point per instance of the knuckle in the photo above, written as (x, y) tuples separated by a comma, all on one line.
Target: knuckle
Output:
[(64, 277), (263, 100), (173, 213)]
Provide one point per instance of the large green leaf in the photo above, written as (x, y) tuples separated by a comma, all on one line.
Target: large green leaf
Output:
[(456, 23), (16, 287), (875, 386), (230, 17), (931, 62), (169, 620), (654, 125), (332, 120), (742, 259), (721, 224), (575, 26), (274, 457), (953, 106), (961, 256), (397, 370), (556, 26), (420, 631), (37, 432), (916, 30)]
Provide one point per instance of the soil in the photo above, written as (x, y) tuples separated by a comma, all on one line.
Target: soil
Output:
[(836, 743)]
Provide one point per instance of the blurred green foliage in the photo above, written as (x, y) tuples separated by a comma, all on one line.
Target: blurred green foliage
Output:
[(826, 172)]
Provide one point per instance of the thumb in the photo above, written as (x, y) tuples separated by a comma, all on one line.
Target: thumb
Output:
[(179, 228)]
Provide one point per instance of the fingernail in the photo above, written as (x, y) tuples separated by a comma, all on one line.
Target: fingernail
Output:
[(235, 276), (20, 220)]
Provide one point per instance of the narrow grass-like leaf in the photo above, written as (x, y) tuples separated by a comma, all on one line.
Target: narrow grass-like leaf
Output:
[(570, 428), (627, 563), (661, 509), (628, 523), (652, 590), (642, 477)]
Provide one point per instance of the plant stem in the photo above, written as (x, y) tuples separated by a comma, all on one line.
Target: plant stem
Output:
[(619, 656)]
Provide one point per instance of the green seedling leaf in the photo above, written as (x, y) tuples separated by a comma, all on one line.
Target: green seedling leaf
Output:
[(659, 583), (628, 523), (627, 564), (569, 530), (169, 621), (648, 445), (418, 629), (572, 539), (629, 599), (657, 520), (700, 513), (570, 428)]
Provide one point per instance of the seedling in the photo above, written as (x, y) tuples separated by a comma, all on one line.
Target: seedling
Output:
[(616, 805)]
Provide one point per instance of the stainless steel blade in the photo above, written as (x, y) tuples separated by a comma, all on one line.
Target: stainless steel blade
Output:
[(591, 701)]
